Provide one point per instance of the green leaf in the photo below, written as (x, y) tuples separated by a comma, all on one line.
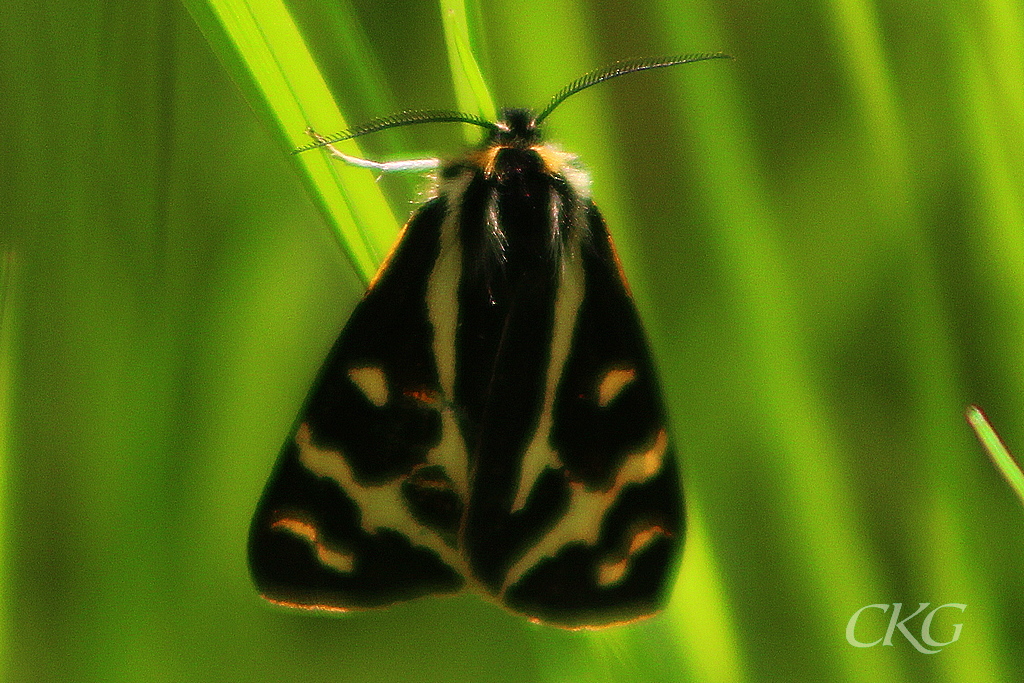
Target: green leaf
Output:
[(471, 90), (260, 45), (8, 271), (997, 450)]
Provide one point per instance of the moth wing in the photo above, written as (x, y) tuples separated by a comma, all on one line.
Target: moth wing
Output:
[(610, 557), (354, 514)]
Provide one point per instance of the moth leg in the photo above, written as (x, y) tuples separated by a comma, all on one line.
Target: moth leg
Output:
[(401, 166)]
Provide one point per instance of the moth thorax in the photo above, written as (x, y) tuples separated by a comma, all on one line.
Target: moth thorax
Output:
[(518, 170), (530, 204)]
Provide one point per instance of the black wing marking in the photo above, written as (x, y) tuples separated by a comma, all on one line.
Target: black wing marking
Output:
[(610, 557), (357, 513)]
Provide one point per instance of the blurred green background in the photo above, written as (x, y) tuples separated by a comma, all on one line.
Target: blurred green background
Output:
[(825, 238)]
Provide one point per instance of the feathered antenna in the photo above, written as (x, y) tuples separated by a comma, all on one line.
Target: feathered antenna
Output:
[(621, 69), (407, 118), (404, 118)]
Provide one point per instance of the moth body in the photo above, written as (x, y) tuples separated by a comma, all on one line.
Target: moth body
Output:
[(489, 419)]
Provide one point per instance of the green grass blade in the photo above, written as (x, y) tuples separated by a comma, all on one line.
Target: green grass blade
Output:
[(471, 90), (7, 311), (997, 451), (261, 47)]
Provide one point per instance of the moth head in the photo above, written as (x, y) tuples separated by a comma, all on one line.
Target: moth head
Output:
[(515, 128), (511, 151)]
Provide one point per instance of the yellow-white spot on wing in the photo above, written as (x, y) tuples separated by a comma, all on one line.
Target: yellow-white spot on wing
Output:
[(329, 556), (443, 313), (372, 382), (539, 455), (586, 510), (613, 568), (443, 285), (610, 573), (381, 506), (450, 454), (612, 384), (650, 460)]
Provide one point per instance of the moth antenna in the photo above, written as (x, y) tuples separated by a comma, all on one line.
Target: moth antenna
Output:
[(622, 68), (404, 118)]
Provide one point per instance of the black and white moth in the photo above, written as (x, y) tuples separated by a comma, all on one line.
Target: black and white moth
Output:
[(490, 418)]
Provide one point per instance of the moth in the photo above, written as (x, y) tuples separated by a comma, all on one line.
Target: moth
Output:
[(489, 419)]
